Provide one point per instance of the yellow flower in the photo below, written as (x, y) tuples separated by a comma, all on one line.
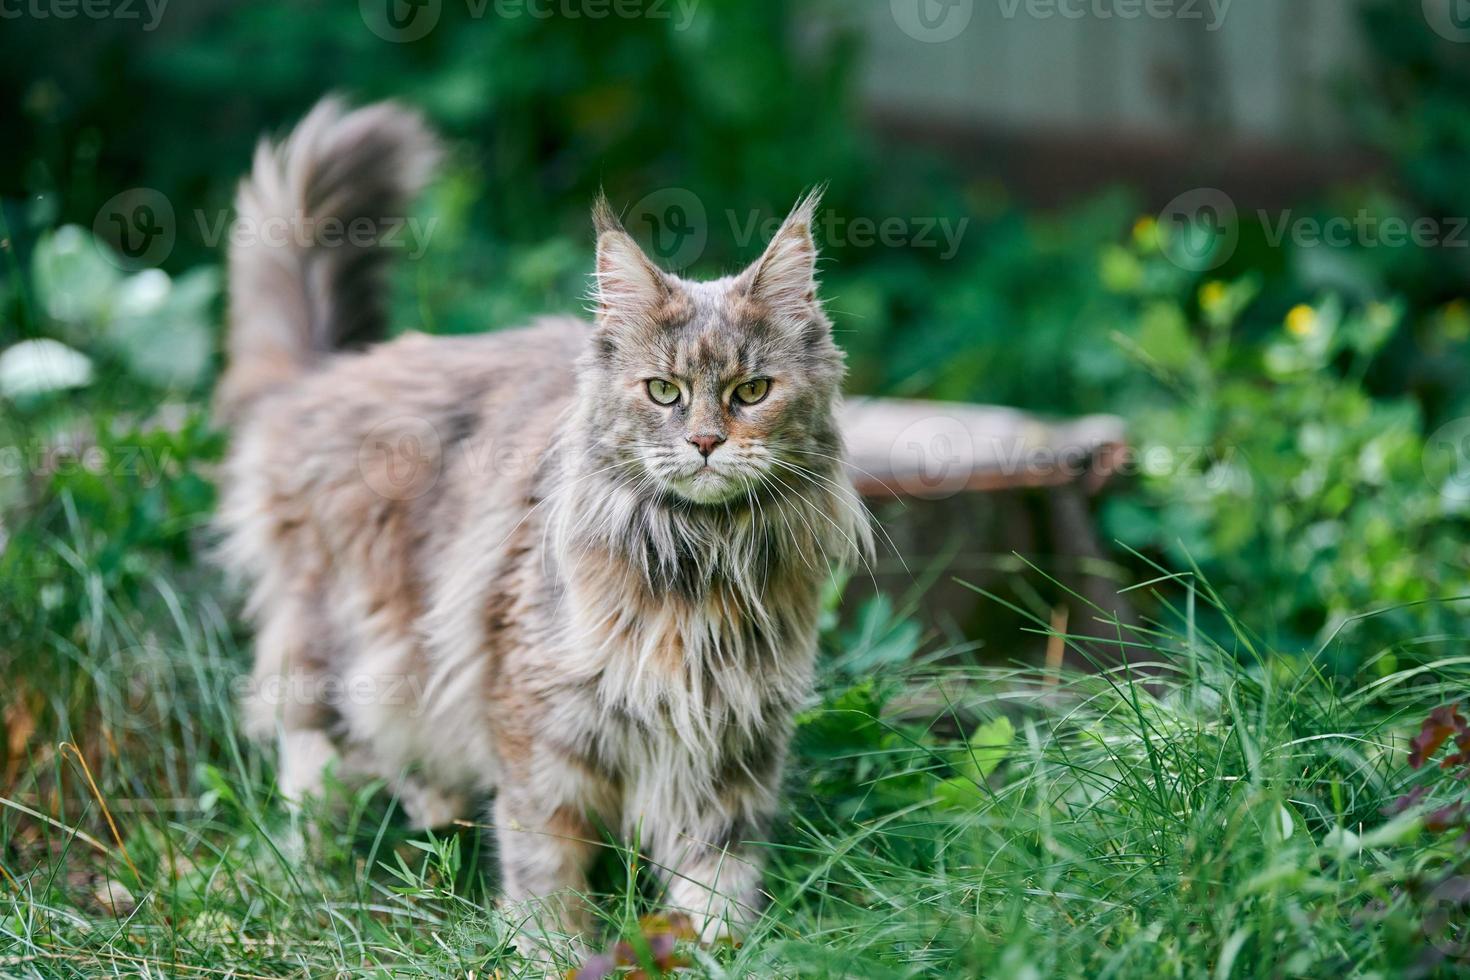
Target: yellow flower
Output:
[(1145, 232), (1455, 319), (1211, 295), (1301, 321)]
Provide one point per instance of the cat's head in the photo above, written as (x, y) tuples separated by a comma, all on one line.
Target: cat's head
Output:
[(709, 390)]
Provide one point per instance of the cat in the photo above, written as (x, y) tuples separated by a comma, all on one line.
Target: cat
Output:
[(573, 567)]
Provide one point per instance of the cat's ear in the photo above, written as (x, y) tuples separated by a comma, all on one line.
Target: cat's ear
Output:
[(784, 279), (629, 286)]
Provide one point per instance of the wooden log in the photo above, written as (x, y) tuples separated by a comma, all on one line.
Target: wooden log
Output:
[(923, 465), (933, 450)]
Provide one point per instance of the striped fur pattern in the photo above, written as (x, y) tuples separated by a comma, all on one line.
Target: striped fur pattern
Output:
[(498, 568)]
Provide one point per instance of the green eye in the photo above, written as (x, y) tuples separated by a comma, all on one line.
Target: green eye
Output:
[(752, 391), (663, 392)]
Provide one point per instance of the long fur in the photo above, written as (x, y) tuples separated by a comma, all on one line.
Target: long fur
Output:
[(494, 566), (292, 300)]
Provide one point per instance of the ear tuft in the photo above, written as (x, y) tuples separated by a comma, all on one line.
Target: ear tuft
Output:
[(629, 286), (604, 218), (785, 277), (805, 209)]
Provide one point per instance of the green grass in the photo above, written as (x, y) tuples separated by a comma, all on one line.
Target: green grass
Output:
[(1219, 813)]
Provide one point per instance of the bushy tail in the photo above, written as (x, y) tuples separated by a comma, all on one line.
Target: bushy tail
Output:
[(305, 264)]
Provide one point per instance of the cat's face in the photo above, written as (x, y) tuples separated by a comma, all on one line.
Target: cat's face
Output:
[(715, 389)]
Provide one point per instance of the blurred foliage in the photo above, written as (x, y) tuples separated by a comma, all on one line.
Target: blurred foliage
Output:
[(1268, 466)]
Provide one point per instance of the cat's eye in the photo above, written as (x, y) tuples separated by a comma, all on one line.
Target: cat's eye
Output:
[(662, 392), (752, 391)]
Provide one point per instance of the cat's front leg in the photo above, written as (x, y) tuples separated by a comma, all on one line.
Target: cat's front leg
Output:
[(546, 847), (714, 877), (706, 834)]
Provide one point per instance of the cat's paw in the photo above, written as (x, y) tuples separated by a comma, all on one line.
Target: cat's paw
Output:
[(549, 934)]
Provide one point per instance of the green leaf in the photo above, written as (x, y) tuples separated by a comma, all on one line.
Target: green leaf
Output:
[(162, 327), (985, 750), (43, 366), (1163, 336), (880, 638), (988, 746), (74, 283)]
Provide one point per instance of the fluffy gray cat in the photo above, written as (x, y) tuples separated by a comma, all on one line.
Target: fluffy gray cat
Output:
[(573, 566)]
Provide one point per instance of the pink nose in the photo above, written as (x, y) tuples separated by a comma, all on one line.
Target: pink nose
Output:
[(706, 442)]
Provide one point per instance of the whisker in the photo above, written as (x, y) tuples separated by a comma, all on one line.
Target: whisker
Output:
[(847, 462), (845, 536), (849, 498), (781, 512)]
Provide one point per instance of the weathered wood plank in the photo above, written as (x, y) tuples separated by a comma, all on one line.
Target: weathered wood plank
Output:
[(932, 450)]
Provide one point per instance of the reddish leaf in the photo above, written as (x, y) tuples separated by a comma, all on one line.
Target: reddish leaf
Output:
[(597, 968), (661, 933), (1443, 723), (1462, 742), (1405, 802), (1445, 818)]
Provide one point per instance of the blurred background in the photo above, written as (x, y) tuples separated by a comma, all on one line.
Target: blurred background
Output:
[(1239, 226)]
